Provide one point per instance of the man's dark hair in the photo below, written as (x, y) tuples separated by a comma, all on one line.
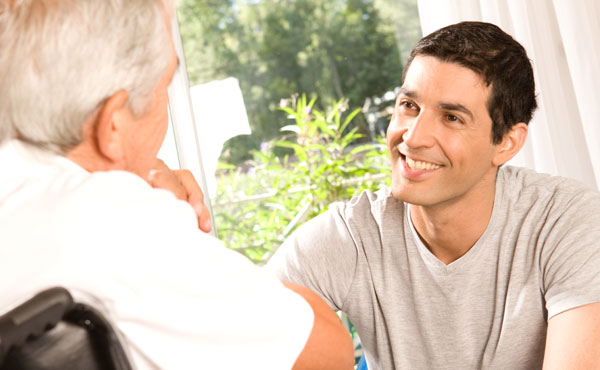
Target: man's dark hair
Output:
[(500, 60)]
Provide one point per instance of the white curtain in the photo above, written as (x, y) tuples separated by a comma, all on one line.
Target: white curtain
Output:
[(562, 37)]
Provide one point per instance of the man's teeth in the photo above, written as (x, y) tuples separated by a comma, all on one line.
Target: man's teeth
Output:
[(418, 165)]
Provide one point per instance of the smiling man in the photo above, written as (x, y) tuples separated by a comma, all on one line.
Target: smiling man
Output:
[(463, 263), (83, 113)]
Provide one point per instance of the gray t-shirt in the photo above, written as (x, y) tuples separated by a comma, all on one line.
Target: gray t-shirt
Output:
[(539, 256)]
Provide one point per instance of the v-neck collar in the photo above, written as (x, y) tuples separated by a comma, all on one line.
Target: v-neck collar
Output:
[(437, 266)]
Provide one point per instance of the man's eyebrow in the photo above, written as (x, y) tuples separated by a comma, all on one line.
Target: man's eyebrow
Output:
[(445, 106), (410, 93), (456, 107)]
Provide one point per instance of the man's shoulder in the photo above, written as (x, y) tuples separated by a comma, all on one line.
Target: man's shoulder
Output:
[(114, 198), (369, 202), (549, 202), (528, 177), (113, 192), (364, 213), (116, 186), (524, 183), (35, 174), (60, 198)]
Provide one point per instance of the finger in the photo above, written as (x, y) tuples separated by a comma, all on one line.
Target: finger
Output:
[(185, 187), (204, 222), (165, 179), (195, 198), (190, 185), (159, 165), (203, 215)]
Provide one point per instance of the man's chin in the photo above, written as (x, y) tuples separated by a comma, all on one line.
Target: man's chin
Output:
[(410, 196), (402, 194)]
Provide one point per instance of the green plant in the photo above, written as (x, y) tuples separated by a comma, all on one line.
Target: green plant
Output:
[(327, 158), (258, 207)]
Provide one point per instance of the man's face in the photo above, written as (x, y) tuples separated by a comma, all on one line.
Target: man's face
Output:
[(439, 138), (147, 132)]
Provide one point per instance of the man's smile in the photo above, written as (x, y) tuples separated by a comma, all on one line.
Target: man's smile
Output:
[(415, 169), (421, 165), (413, 163)]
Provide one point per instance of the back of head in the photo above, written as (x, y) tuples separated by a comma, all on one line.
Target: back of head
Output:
[(500, 60), (62, 59)]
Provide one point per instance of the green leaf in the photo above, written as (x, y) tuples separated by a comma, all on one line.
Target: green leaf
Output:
[(349, 118), (289, 111), (225, 166), (361, 148)]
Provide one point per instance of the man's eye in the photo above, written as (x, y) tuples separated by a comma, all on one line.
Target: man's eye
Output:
[(453, 118), (407, 104)]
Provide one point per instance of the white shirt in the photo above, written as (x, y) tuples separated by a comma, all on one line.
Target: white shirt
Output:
[(178, 297)]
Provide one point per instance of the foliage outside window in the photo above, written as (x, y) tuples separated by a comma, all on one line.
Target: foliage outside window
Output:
[(304, 153), (280, 192)]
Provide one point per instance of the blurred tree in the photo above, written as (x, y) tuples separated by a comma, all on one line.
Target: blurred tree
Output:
[(402, 18), (275, 48)]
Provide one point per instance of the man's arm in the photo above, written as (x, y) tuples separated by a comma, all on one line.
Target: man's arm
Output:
[(573, 341), (329, 345)]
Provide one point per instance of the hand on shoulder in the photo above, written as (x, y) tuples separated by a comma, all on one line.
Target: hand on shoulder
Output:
[(184, 186)]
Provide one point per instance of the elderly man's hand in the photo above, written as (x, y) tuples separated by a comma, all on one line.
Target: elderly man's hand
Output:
[(184, 186)]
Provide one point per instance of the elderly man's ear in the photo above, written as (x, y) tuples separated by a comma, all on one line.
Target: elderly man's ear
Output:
[(102, 147), (109, 127)]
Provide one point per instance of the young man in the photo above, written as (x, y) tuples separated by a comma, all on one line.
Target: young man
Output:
[(463, 263), (83, 112)]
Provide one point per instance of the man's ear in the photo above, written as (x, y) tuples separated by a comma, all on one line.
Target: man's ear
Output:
[(512, 142), (109, 126)]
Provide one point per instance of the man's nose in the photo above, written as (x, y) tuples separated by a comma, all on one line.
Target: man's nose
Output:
[(419, 131)]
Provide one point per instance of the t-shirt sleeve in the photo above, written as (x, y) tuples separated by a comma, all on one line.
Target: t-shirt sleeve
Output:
[(320, 255), (182, 300), (570, 259)]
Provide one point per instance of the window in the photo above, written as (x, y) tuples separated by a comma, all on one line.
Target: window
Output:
[(291, 99)]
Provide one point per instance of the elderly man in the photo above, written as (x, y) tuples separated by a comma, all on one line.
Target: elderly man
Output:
[(83, 112), (463, 263)]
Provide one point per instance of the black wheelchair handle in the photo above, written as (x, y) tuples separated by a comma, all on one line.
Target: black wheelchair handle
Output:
[(32, 318)]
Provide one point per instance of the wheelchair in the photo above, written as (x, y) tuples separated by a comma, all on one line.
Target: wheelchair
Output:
[(50, 331)]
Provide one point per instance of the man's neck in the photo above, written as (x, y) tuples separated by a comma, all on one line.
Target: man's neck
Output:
[(449, 230), (88, 159)]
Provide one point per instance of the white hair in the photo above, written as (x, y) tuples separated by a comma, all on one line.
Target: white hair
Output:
[(60, 61)]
